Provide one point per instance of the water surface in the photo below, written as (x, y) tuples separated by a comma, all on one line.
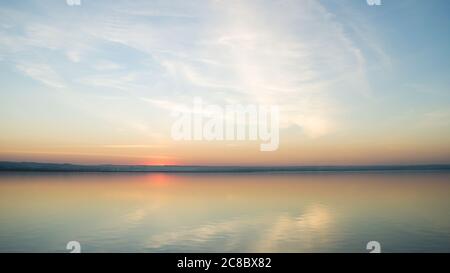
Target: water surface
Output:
[(292, 212)]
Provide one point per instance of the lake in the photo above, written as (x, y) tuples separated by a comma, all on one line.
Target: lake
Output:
[(258, 212)]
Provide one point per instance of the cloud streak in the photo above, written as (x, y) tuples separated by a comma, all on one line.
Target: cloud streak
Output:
[(42, 73)]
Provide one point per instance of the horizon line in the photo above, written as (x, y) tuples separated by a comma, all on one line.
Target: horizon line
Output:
[(70, 167), (198, 165)]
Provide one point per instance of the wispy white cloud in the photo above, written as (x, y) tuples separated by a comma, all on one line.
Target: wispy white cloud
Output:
[(294, 54), (42, 73), (124, 82)]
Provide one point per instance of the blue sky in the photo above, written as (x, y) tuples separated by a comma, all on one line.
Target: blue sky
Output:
[(89, 83)]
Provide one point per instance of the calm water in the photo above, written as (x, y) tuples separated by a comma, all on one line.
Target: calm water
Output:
[(315, 212)]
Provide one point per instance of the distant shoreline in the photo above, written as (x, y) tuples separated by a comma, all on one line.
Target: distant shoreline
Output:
[(56, 167)]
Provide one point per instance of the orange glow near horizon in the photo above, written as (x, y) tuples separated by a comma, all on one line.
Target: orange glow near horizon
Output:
[(159, 162)]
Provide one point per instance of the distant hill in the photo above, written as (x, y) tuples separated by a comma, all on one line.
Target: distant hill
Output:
[(55, 167)]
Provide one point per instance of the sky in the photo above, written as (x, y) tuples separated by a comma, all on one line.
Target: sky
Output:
[(98, 82)]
